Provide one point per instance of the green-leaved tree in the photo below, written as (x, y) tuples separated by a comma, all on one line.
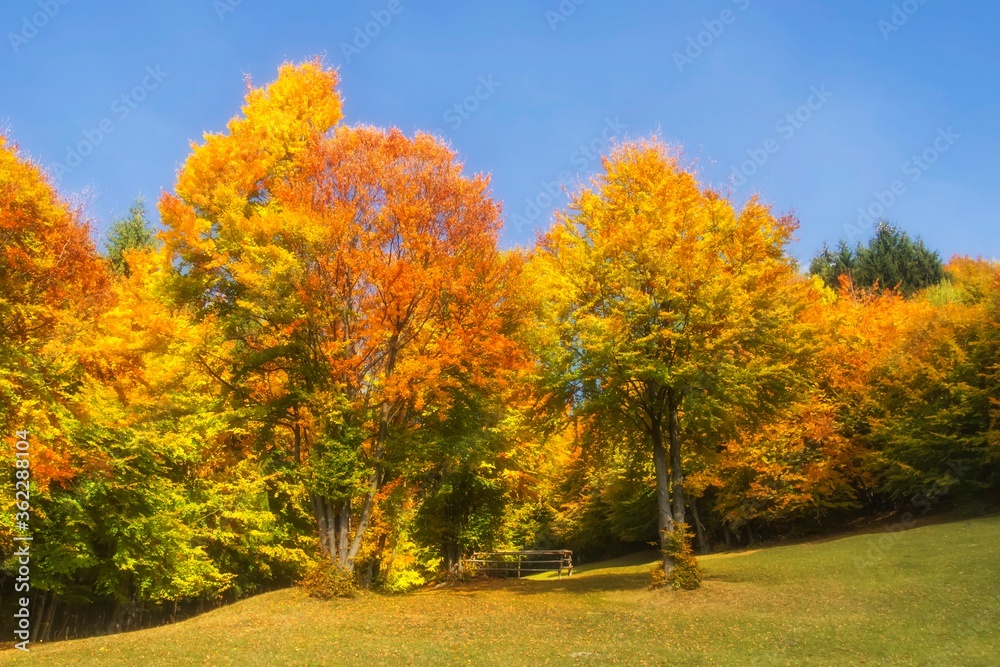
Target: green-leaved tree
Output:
[(890, 260), (129, 232)]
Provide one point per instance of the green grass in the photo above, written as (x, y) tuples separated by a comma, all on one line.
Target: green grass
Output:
[(927, 596)]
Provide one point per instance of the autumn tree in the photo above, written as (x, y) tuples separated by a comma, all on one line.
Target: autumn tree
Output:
[(167, 503), (52, 286), (94, 480), (604, 498), (796, 467), (137, 498), (50, 280), (932, 429), (905, 389), (460, 477), (355, 276), (662, 299)]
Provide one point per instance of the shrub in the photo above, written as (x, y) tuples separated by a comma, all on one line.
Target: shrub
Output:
[(659, 577), (686, 574), (326, 582), (403, 580)]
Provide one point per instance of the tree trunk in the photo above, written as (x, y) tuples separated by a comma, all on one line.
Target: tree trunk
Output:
[(374, 482), (703, 546), (448, 559), (115, 618), (375, 564), (37, 625), (49, 618), (324, 527), (320, 528), (666, 520), (677, 474), (64, 627), (452, 557), (298, 439), (344, 535)]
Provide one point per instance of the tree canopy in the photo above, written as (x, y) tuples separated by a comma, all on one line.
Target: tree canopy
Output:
[(324, 368)]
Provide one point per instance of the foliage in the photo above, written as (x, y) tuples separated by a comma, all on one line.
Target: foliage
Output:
[(662, 300), (325, 364), (463, 481), (51, 283), (354, 276), (130, 233), (606, 497), (326, 581), (403, 581), (685, 574), (890, 260), (933, 426), (799, 465)]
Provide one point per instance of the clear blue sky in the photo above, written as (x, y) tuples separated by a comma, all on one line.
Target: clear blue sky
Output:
[(879, 97)]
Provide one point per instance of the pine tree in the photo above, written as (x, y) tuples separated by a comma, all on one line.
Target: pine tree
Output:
[(129, 232), (890, 260)]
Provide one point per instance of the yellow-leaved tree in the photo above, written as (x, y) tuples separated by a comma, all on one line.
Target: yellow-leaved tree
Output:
[(660, 300)]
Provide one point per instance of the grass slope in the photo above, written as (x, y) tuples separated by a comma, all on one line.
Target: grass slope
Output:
[(927, 596)]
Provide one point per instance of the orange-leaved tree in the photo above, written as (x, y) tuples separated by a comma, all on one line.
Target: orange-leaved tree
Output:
[(355, 275), (51, 283), (932, 429)]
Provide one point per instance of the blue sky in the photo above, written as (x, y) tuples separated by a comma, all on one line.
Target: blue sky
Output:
[(825, 108)]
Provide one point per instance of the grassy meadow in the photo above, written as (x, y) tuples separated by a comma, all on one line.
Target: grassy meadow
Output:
[(926, 596)]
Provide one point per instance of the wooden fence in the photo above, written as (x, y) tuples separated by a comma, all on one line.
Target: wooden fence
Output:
[(516, 563)]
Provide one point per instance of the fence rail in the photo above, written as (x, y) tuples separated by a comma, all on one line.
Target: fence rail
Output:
[(516, 563)]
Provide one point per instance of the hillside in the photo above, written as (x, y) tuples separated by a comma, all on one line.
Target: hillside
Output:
[(926, 596)]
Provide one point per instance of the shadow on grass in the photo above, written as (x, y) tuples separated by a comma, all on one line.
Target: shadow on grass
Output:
[(628, 573), (591, 583)]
